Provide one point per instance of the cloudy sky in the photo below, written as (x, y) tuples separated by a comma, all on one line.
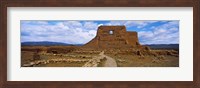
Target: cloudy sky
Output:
[(81, 32)]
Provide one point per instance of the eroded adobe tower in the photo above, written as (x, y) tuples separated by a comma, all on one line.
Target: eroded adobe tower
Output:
[(115, 37)]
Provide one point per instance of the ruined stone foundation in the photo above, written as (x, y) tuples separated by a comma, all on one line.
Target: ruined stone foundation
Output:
[(114, 37)]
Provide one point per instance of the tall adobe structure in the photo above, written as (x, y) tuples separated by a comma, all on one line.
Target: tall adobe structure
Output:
[(114, 37)]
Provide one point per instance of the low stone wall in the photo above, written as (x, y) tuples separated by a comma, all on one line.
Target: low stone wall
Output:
[(33, 63), (94, 62)]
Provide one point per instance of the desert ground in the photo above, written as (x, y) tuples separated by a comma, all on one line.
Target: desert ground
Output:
[(76, 56)]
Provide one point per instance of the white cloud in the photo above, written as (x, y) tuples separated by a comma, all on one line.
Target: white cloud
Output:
[(72, 24), (100, 25), (138, 24), (167, 33), (90, 25), (80, 32), (67, 32)]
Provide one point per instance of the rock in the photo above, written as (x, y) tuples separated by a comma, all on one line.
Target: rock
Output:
[(155, 60), (146, 48), (139, 53), (141, 57), (160, 57), (36, 56)]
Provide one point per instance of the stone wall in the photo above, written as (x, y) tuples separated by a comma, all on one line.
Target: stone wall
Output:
[(114, 37)]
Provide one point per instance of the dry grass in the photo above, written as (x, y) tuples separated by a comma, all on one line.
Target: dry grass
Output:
[(161, 59), (62, 64), (145, 61), (29, 54)]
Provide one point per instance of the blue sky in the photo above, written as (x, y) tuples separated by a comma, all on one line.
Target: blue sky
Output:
[(81, 32)]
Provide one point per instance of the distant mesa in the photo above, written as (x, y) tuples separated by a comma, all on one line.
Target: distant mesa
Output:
[(47, 43)]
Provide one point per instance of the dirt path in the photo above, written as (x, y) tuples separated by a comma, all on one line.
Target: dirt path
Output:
[(110, 62)]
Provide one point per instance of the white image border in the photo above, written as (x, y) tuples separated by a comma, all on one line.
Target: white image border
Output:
[(182, 73)]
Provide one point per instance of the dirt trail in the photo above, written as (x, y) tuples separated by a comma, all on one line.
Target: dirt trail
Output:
[(110, 62)]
